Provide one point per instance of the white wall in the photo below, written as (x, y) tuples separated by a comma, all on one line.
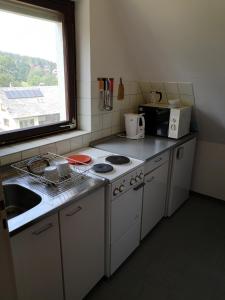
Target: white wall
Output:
[(109, 53), (105, 56), (183, 40)]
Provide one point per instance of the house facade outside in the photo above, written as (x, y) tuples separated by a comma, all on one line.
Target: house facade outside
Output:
[(27, 107)]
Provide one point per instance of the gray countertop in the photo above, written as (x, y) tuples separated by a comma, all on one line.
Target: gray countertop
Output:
[(142, 149), (49, 205)]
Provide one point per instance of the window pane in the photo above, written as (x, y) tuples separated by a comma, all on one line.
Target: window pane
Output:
[(32, 83)]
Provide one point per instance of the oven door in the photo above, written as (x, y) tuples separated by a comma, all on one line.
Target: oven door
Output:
[(125, 226)]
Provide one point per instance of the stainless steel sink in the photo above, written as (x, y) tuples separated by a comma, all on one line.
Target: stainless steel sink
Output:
[(19, 199)]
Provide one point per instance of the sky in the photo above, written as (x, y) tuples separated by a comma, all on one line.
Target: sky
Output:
[(27, 36)]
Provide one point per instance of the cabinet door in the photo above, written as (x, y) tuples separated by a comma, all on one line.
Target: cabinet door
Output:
[(154, 201), (82, 236), (37, 261), (183, 157), (8, 289)]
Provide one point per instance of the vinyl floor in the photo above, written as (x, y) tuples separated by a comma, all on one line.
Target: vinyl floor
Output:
[(183, 258)]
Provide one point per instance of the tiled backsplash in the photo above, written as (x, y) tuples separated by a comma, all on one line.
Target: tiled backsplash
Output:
[(65, 144), (170, 90), (96, 123), (102, 123)]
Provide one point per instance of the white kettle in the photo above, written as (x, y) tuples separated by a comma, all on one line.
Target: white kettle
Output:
[(135, 126)]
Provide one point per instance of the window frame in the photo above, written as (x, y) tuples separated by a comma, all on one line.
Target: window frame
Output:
[(67, 9)]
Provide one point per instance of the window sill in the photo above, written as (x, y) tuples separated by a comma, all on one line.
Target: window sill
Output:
[(59, 144)]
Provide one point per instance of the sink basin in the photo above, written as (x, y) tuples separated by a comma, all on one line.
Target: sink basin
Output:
[(19, 199)]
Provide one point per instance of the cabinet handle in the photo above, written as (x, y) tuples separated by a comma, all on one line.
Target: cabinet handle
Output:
[(139, 186), (151, 179), (43, 229), (180, 153), (74, 212), (158, 159)]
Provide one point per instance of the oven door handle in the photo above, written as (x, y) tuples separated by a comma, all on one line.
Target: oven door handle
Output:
[(139, 186)]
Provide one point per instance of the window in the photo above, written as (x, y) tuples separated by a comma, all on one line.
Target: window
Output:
[(48, 119), (6, 122), (37, 68), (26, 123)]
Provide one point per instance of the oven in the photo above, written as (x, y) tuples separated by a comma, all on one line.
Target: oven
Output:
[(123, 218)]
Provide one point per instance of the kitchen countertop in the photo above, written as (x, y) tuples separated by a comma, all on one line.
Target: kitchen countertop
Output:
[(49, 205), (143, 149)]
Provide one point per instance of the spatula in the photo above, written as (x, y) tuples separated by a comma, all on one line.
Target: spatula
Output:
[(120, 90)]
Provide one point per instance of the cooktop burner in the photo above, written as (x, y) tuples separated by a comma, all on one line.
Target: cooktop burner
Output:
[(117, 159), (102, 168)]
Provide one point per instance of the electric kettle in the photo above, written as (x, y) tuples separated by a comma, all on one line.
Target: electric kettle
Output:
[(135, 126)]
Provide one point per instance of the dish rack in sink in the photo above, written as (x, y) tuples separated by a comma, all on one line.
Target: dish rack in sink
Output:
[(78, 174)]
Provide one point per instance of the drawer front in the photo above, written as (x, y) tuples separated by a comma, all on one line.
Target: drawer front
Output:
[(156, 161)]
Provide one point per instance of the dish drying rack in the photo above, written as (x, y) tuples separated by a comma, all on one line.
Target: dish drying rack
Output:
[(52, 188)]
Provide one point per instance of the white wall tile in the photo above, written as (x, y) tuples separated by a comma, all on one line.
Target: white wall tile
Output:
[(116, 119), (84, 106), (31, 152), (96, 122), (116, 104), (186, 88), (157, 86), (173, 96), (83, 89), (86, 139), (84, 122), (12, 158), (133, 88), (145, 87), (96, 135), (116, 129), (48, 148), (187, 100), (95, 90), (107, 120), (76, 143), (97, 106), (106, 132), (171, 87), (63, 147)]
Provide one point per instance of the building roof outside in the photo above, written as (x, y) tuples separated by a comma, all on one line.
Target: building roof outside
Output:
[(46, 102)]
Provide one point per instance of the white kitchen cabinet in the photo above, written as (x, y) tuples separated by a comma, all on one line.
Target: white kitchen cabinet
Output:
[(181, 175), (82, 235), (154, 199), (37, 261)]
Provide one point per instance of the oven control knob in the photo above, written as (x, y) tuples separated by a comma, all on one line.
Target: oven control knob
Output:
[(132, 181), (137, 178), (121, 188), (116, 192), (141, 176)]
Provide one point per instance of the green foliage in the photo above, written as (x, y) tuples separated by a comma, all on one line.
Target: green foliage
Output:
[(26, 71)]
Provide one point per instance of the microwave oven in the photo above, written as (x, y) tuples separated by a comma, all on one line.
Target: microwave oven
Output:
[(162, 120)]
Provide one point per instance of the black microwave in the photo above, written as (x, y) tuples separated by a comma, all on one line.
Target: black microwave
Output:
[(166, 121)]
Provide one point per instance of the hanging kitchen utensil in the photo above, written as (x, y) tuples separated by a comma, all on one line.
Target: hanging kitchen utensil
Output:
[(120, 90), (106, 92), (108, 99), (111, 86)]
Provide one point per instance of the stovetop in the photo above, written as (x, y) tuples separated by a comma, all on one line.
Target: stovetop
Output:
[(99, 157)]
